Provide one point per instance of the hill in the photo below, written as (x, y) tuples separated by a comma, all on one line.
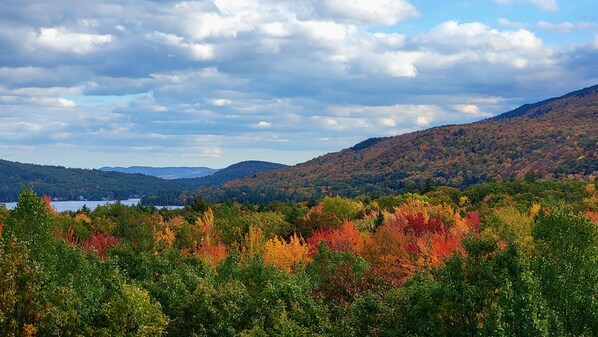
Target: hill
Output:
[(236, 171), (209, 184), (72, 184), (165, 172), (553, 138)]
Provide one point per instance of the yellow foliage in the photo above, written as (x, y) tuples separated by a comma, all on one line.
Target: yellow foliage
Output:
[(166, 235), (29, 330), (82, 217), (207, 220), (103, 224), (590, 189), (286, 256), (514, 226), (464, 201), (535, 210), (254, 242)]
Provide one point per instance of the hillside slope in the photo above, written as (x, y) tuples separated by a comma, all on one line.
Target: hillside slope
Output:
[(552, 138)]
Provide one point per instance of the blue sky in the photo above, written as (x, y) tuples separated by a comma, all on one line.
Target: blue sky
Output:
[(211, 83)]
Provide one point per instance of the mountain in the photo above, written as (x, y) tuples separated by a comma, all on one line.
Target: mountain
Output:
[(236, 171), (165, 172), (71, 183), (209, 185), (552, 138)]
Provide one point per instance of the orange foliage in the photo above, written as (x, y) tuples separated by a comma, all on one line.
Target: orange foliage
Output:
[(82, 217), (418, 235), (286, 255), (345, 239), (210, 247), (592, 215), (69, 237), (29, 330), (100, 243), (48, 201), (213, 252)]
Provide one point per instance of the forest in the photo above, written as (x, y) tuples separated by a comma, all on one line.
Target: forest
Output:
[(509, 258)]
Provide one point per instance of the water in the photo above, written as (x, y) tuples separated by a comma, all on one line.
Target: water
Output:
[(76, 205)]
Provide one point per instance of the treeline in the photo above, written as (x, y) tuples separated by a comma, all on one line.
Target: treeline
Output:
[(70, 184), (513, 258), (528, 189)]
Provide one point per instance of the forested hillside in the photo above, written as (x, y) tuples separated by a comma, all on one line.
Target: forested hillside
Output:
[(71, 184), (516, 258), (554, 138)]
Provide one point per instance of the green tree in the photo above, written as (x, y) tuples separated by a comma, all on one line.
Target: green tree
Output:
[(567, 266)]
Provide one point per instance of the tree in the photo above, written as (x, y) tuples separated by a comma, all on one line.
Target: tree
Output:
[(567, 266)]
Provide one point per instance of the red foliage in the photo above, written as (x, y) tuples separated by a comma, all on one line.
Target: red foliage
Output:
[(418, 235), (345, 239), (418, 223), (473, 220), (214, 253), (100, 243), (1, 226)]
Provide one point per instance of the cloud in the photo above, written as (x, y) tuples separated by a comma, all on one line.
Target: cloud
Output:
[(62, 40), (226, 79), (567, 27), (385, 12), (547, 5), (510, 24)]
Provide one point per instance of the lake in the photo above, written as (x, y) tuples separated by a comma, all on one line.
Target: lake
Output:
[(75, 205)]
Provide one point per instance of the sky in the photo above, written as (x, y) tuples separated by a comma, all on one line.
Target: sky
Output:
[(211, 83)]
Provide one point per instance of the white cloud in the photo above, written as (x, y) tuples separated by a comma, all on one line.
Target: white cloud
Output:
[(566, 27), (200, 52), (547, 5), (207, 79), (386, 12), (66, 103), (275, 29), (423, 121), (457, 43), (388, 122), (510, 24), (471, 109), (219, 101), (61, 39)]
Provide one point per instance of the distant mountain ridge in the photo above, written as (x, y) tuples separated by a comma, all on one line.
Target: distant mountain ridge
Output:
[(237, 171), (165, 172), (555, 137), (72, 183)]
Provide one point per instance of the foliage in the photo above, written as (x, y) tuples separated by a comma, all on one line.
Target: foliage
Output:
[(568, 268), (286, 255), (497, 260)]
